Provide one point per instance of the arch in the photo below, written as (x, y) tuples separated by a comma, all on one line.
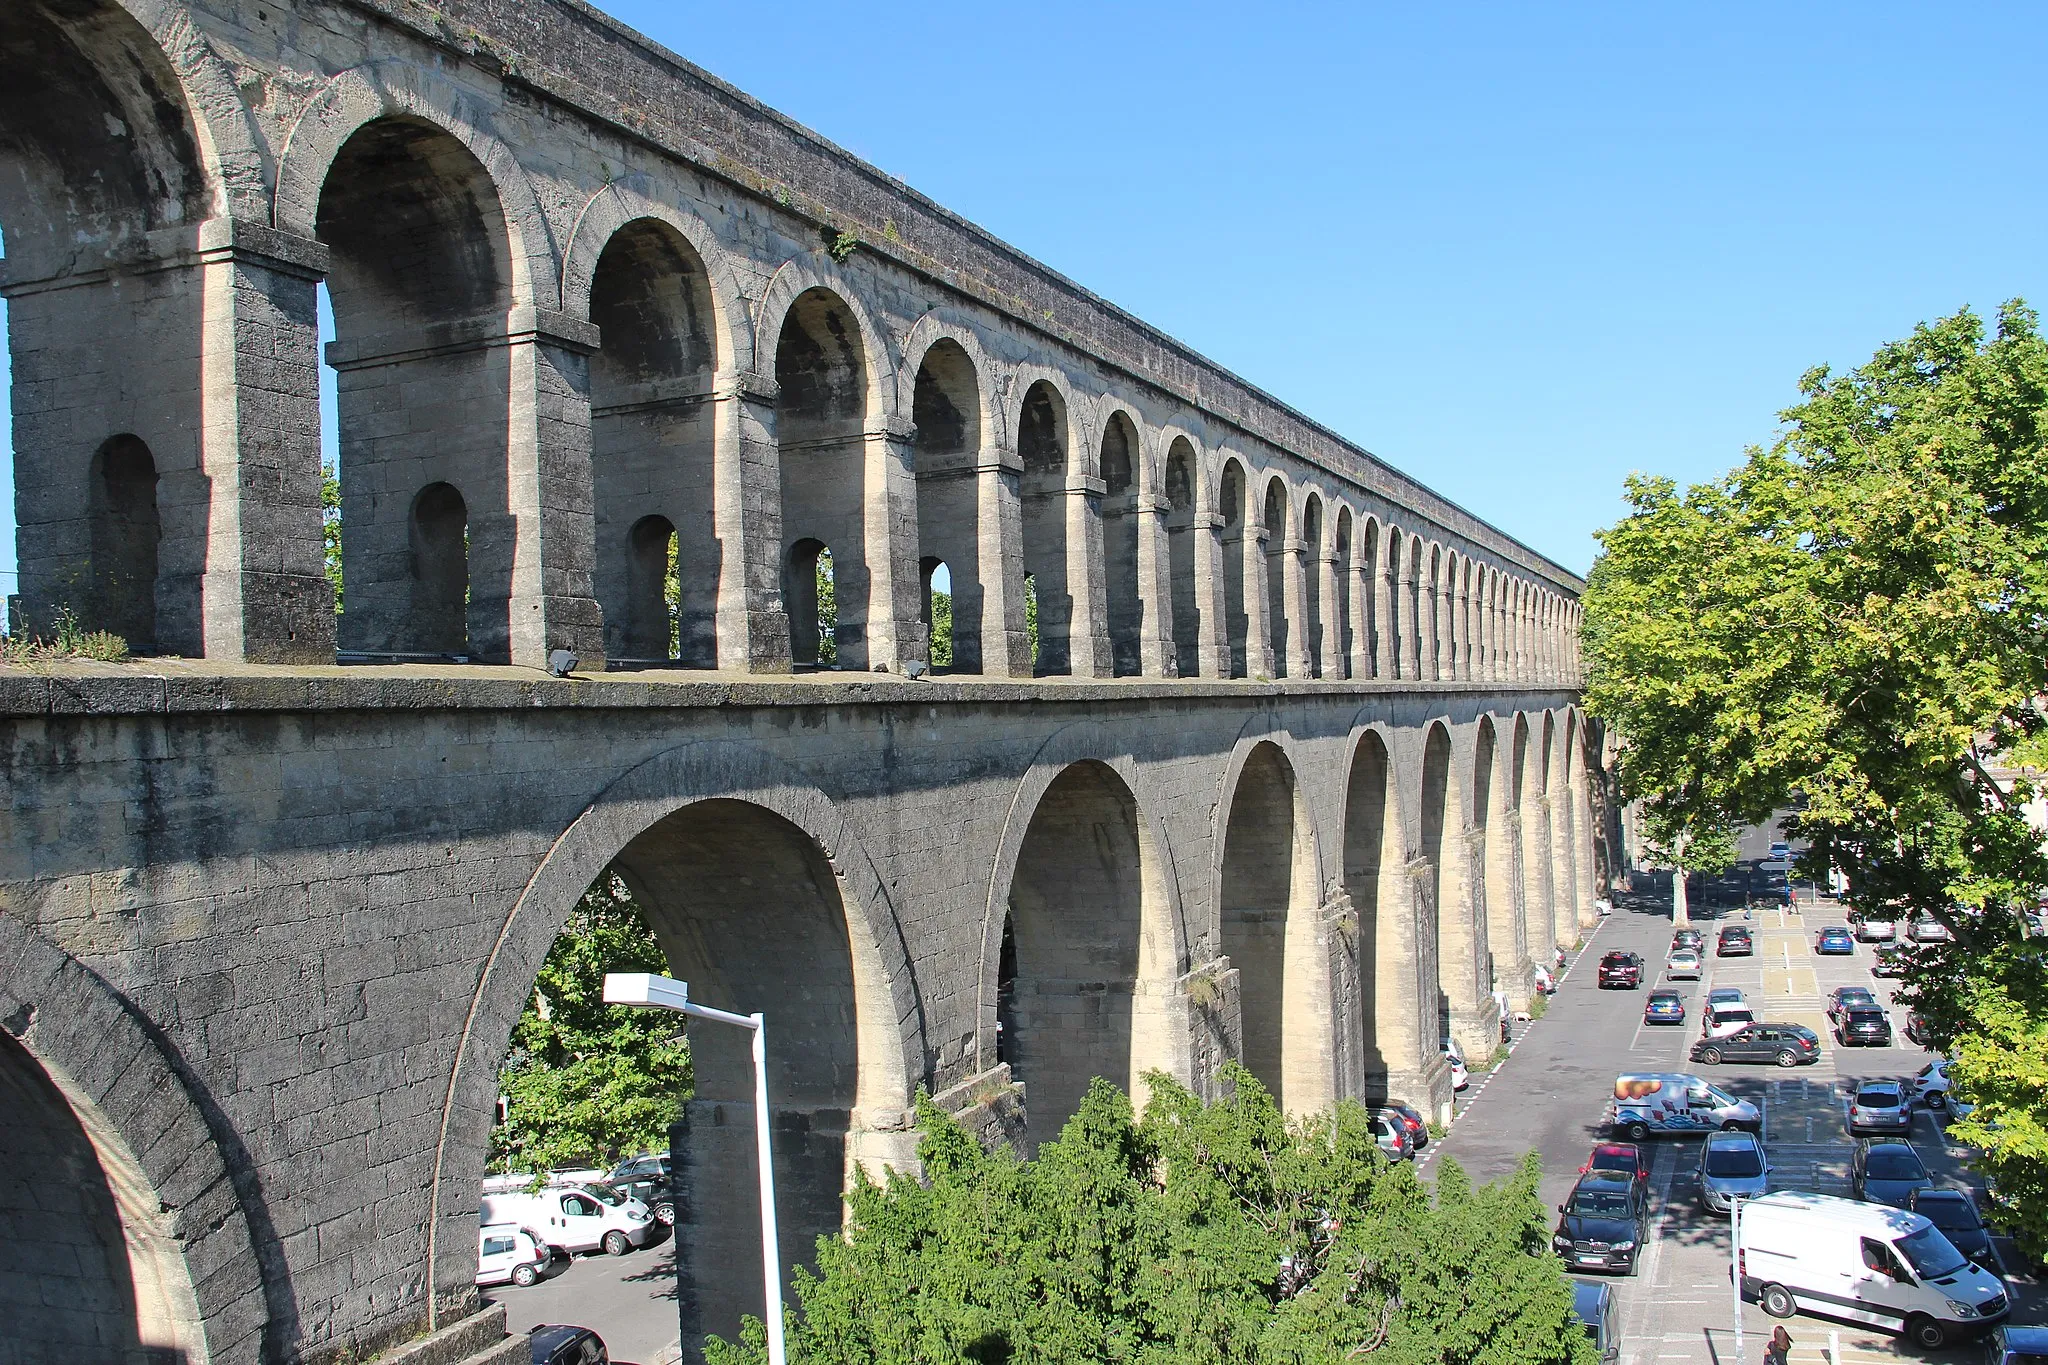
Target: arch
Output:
[(1433, 613), (1391, 1047), (797, 278), (634, 201), (1276, 516), (1047, 440), (402, 90), (1231, 489), (950, 414), (1499, 828), (681, 795), (1315, 593), (1268, 891), (653, 439), (437, 618), (1417, 600), (1183, 466), (158, 1136), (824, 375), (813, 621), (1457, 914), (1121, 461), (1344, 652), (126, 529)]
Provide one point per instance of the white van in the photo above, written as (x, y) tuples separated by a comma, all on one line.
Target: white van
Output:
[(575, 1219), (506, 1251), (1675, 1102), (1842, 1258)]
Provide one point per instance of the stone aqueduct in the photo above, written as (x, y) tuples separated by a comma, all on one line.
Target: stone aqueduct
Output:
[(1290, 769)]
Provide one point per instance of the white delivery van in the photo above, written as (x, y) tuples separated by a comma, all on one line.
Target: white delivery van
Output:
[(573, 1219), (506, 1251), (1675, 1102), (1842, 1258)]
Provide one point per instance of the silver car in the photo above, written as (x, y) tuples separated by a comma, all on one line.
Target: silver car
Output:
[(1732, 1166), (1880, 1107)]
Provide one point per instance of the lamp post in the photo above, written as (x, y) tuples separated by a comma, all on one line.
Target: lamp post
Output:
[(1735, 1266), (647, 991)]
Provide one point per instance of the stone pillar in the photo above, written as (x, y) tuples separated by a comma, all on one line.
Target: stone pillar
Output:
[(1425, 630), (1385, 649), (999, 536), (894, 623), (1407, 624), (548, 489), (1564, 869), (1446, 627), (1332, 661), (1258, 637), (1088, 645), (752, 624), (1461, 635), (1538, 922), (1294, 596), (1157, 655), (1214, 639), (1507, 920), (1358, 585)]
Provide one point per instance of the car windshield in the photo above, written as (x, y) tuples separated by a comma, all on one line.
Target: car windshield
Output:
[(1894, 1163), (1932, 1256), (1949, 1212), (1600, 1204), (1879, 1097), (1734, 1163), (1860, 1015)]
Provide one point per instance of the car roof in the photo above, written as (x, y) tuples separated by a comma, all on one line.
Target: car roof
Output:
[(1878, 1083), (1943, 1196), (1588, 1299), (1734, 1137), (547, 1337), (2024, 1337), (1606, 1180), (1666, 993)]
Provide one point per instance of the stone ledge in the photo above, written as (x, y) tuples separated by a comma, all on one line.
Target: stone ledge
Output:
[(195, 686)]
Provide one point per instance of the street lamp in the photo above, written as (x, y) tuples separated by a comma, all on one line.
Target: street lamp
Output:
[(647, 991)]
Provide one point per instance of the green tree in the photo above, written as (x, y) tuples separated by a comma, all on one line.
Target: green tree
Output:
[(587, 1082), (330, 528), (1031, 617), (1858, 617), (942, 630), (828, 613), (1203, 1233)]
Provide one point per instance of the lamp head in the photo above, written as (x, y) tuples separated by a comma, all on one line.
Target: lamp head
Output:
[(645, 990)]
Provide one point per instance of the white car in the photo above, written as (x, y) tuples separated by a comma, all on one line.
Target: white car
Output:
[(1545, 982), (506, 1251), (1682, 965), (1877, 931), (1932, 1090), (1460, 1077), (1930, 931)]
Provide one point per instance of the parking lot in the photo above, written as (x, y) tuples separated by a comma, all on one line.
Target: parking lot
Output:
[(1553, 1091)]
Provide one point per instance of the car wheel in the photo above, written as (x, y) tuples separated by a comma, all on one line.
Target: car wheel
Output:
[(1730, 1126), (1778, 1301), (665, 1214), (1787, 1057), (1937, 1100), (616, 1243), (1638, 1132), (1926, 1332), (1711, 1056), (524, 1275)]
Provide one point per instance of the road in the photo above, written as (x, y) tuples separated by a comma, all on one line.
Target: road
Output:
[(1553, 1089), (628, 1300)]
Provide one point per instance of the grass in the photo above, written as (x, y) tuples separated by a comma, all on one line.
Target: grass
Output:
[(71, 641)]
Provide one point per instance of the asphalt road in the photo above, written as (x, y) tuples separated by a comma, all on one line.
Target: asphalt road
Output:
[(1551, 1094), (628, 1300)]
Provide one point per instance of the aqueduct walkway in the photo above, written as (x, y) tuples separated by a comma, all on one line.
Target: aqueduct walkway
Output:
[(1289, 768)]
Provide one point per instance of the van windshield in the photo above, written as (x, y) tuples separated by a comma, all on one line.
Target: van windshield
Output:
[(602, 1195), (1932, 1256)]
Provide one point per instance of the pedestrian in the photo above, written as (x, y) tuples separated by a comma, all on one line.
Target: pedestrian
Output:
[(1779, 1352)]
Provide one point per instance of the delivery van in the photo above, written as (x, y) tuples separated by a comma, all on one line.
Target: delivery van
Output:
[(1675, 1102), (1870, 1263), (574, 1219)]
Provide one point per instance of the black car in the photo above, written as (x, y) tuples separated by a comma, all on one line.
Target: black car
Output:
[(1955, 1213), (1865, 1026), (1689, 938), (646, 1179), (1734, 941), (1605, 1223), (1621, 969), (1887, 1171), (563, 1345), (1785, 1044)]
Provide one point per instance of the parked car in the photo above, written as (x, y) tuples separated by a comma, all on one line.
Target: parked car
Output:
[(2007, 1345), (1689, 938), (1605, 1221), (1418, 1126), (1460, 1076), (1844, 998), (1876, 929), (1390, 1131), (1955, 1213), (1732, 1166), (1835, 941), (1724, 995), (1864, 1026), (1879, 1107), (1623, 969), (1887, 1171), (1625, 1158), (1545, 982), (1721, 1020), (1734, 941), (1594, 1305), (1931, 1084), (564, 1345), (1916, 1029), (1930, 931), (1664, 1007), (1889, 962), (1780, 851), (507, 1252), (1784, 1044), (1683, 965)]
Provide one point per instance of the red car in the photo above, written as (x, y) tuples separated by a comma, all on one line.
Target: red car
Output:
[(1624, 1158)]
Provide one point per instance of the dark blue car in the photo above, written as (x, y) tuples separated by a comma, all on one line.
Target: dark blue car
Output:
[(1835, 941), (1664, 1007)]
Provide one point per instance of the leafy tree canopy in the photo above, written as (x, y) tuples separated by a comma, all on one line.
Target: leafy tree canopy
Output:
[(1857, 618), (588, 1082), (1202, 1233)]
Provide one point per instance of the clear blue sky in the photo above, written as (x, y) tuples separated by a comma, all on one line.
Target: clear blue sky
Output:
[(1517, 251)]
